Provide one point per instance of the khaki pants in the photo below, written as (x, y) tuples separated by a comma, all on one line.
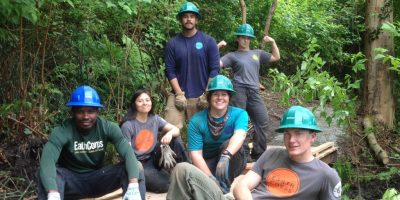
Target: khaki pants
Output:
[(188, 182), (177, 117)]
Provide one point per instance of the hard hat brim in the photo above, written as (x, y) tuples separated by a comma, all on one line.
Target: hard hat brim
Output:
[(178, 16), (282, 128), (76, 104), (243, 34)]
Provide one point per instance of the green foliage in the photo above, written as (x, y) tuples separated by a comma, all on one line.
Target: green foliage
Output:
[(391, 194), (107, 44), (386, 175), (330, 23), (345, 169), (347, 174), (48, 48), (12, 11), (311, 82)]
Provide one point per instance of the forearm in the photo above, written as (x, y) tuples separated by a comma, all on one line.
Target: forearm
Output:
[(242, 190), (174, 132), (200, 163), (169, 132), (236, 141), (242, 193), (47, 171), (131, 163), (175, 86), (275, 51)]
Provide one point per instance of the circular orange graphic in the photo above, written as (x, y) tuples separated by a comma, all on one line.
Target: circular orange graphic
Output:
[(282, 182), (144, 140)]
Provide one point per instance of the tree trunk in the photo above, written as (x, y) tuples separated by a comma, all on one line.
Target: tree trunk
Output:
[(268, 21), (378, 98), (244, 11)]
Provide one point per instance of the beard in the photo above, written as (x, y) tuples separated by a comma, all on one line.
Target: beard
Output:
[(188, 26)]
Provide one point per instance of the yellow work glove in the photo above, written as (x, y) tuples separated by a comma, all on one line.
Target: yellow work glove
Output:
[(202, 103), (180, 101)]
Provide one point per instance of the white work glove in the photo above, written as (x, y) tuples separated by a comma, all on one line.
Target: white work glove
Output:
[(202, 103), (180, 101), (53, 196), (167, 160), (132, 193)]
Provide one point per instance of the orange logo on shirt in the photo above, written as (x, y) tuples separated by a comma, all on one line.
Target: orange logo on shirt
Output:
[(282, 182), (144, 140)]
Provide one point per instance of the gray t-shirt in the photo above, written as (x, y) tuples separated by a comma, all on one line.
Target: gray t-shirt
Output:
[(143, 136), (283, 178), (246, 66)]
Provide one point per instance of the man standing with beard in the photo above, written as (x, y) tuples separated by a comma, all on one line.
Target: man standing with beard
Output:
[(191, 60)]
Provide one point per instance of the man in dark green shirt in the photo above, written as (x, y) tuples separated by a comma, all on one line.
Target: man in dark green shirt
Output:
[(72, 162)]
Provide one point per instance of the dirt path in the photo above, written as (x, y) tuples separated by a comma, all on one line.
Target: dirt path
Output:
[(330, 133)]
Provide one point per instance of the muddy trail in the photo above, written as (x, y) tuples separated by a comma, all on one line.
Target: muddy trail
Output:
[(19, 159)]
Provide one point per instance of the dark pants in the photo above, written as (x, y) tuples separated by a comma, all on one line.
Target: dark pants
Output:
[(157, 178), (250, 100), (94, 184), (236, 165)]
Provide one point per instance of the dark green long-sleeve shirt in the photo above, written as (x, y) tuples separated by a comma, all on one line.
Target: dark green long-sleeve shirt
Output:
[(83, 153)]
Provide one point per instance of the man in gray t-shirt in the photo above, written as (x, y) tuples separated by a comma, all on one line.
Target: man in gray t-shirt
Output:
[(291, 173), (245, 64)]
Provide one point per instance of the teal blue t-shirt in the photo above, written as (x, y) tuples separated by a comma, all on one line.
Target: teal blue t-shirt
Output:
[(200, 137)]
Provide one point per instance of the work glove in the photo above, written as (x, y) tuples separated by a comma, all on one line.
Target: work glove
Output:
[(132, 192), (167, 160), (222, 171), (180, 101), (53, 196), (222, 187), (202, 103)]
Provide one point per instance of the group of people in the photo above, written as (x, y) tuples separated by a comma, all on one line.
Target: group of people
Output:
[(218, 110)]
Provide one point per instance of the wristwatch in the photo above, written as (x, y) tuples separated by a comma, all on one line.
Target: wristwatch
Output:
[(226, 152)]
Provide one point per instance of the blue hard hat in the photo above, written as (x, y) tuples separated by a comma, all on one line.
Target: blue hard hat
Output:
[(188, 7), (298, 117), (245, 30), (220, 82), (84, 96)]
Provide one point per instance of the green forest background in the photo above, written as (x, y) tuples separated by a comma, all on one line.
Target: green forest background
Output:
[(48, 48)]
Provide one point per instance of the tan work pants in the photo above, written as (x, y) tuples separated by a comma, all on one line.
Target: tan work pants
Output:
[(177, 117)]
